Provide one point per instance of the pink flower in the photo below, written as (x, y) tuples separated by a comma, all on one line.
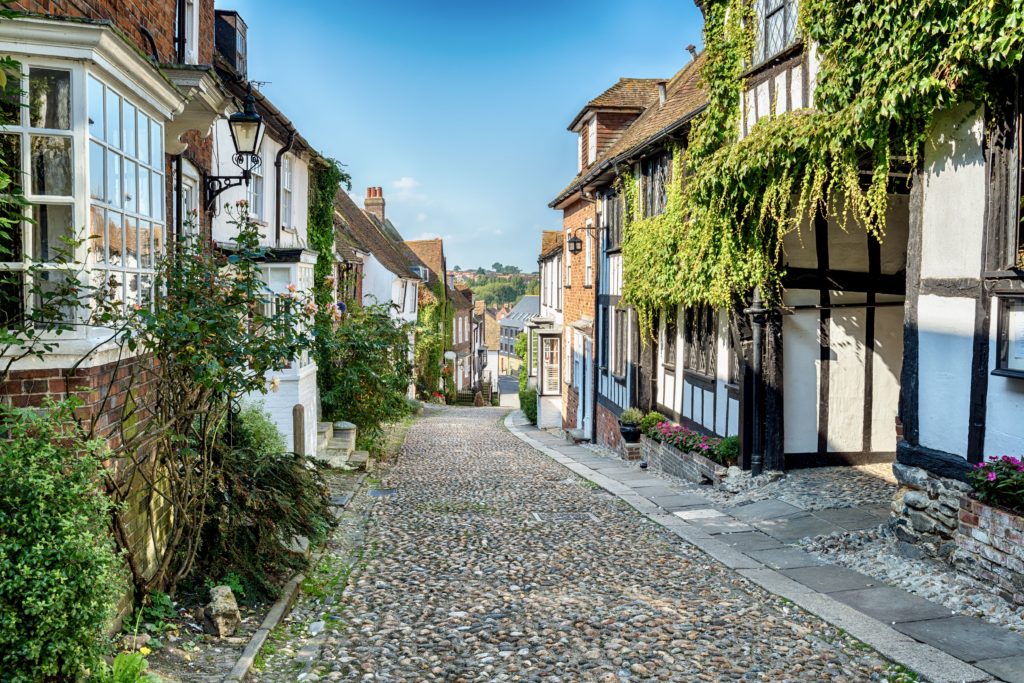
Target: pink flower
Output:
[(992, 476), (292, 287)]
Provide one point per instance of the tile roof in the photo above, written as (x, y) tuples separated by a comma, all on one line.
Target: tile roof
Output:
[(431, 253), (461, 298), (394, 256), (550, 242), (685, 98), (628, 94), (528, 307)]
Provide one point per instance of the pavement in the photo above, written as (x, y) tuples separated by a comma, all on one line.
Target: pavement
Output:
[(756, 540), (509, 387), (489, 560)]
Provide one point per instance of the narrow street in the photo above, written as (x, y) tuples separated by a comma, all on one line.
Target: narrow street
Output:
[(492, 562)]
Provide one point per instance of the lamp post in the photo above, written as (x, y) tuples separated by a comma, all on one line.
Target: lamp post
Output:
[(758, 317), (247, 129)]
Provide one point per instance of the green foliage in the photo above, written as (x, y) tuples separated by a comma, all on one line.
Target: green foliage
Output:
[(433, 330), (158, 608), (325, 180), (365, 371), (528, 404), (60, 575), (263, 496), (650, 420), (886, 69), (128, 667), (631, 416), (729, 449)]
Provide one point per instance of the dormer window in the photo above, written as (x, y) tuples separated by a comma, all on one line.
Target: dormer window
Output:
[(776, 28), (592, 141)]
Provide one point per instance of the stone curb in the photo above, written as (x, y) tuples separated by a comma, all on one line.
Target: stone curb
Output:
[(929, 662), (278, 612)]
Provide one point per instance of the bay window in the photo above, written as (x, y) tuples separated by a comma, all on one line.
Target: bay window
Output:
[(126, 195)]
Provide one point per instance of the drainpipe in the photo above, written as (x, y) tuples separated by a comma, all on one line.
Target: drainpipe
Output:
[(757, 313), (277, 184)]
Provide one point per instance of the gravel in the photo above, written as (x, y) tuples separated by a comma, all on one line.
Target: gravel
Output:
[(877, 553), (458, 581)]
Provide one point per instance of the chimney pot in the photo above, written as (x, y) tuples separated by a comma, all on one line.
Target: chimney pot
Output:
[(662, 96), (692, 49)]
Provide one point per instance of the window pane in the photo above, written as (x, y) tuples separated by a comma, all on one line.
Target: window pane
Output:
[(113, 118), (143, 132), (158, 241), (97, 241), (130, 173), (156, 137), (51, 227), (10, 157), (49, 98), (145, 250), (129, 129), (158, 195), (51, 165), (12, 297), (96, 172), (131, 248), (115, 240), (10, 102), (146, 290), (95, 96), (132, 289), (144, 191), (113, 178)]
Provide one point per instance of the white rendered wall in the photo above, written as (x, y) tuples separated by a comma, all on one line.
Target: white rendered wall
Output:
[(549, 411), (294, 388)]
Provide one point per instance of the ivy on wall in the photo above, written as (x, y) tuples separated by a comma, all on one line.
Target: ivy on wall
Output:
[(434, 329), (886, 69), (326, 176)]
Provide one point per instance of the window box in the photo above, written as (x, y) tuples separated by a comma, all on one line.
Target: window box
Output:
[(689, 466), (1010, 336), (986, 549)]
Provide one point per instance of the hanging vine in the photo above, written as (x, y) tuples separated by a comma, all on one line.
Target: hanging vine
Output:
[(886, 69)]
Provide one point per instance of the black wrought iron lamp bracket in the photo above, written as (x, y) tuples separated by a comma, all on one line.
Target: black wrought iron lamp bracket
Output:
[(214, 185), (575, 243)]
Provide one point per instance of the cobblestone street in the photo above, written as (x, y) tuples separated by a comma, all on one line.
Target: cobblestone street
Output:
[(491, 562)]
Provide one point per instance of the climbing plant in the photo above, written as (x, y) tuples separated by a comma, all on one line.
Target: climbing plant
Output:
[(325, 180), (886, 69)]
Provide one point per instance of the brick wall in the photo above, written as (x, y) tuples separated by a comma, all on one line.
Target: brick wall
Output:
[(991, 547), (608, 428), (578, 299)]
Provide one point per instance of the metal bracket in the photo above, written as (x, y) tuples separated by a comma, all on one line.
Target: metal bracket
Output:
[(214, 185)]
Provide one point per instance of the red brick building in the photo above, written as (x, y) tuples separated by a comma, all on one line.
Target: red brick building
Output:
[(599, 125)]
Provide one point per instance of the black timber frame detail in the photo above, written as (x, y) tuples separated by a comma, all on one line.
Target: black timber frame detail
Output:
[(824, 326), (939, 463), (846, 280), (795, 461), (909, 384)]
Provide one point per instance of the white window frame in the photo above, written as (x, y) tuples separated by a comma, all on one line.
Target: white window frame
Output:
[(588, 254), (579, 152), (592, 140), (255, 192), (191, 32), (286, 191), (568, 260)]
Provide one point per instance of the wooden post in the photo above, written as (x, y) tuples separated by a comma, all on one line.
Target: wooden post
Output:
[(299, 429)]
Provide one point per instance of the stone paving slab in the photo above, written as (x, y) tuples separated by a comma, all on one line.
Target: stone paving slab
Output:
[(785, 558), (764, 509), (794, 528), (721, 525), (967, 638), (1010, 669), (891, 605), (829, 578), (679, 501), (750, 541), (853, 519)]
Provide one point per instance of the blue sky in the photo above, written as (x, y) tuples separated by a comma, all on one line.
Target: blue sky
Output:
[(458, 109)]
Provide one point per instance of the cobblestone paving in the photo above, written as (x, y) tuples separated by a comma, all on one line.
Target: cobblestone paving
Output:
[(459, 581)]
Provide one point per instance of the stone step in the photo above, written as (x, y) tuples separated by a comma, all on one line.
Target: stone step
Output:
[(358, 459), (578, 436), (336, 461)]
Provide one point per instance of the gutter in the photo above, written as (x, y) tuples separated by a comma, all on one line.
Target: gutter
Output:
[(615, 161)]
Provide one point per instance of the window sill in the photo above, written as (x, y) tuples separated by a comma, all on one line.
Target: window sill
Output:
[(1006, 372), (701, 380)]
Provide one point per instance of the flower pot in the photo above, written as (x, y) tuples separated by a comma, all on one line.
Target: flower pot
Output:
[(630, 433)]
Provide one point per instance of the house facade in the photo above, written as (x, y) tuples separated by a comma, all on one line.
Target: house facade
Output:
[(464, 331), (277, 199), (544, 334), (511, 325)]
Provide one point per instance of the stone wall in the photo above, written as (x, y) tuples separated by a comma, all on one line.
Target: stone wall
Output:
[(990, 547), (925, 511), (688, 466)]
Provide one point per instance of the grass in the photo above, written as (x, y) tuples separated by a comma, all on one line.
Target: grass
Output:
[(900, 674), (587, 484)]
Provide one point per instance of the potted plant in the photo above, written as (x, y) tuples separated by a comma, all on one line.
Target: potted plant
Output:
[(629, 425)]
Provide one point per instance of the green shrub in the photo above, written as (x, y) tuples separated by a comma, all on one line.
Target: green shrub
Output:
[(729, 450), (262, 498), (651, 420), (60, 575), (528, 404), (631, 416), (1000, 481)]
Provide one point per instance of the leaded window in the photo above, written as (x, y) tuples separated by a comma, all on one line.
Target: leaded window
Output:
[(669, 342), (620, 341), (613, 221), (657, 174), (700, 339), (776, 29)]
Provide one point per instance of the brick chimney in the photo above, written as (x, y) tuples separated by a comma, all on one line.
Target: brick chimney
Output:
[(374, 202)]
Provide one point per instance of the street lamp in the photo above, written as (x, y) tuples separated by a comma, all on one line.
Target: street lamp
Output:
[(574, 243), (247, 129)]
